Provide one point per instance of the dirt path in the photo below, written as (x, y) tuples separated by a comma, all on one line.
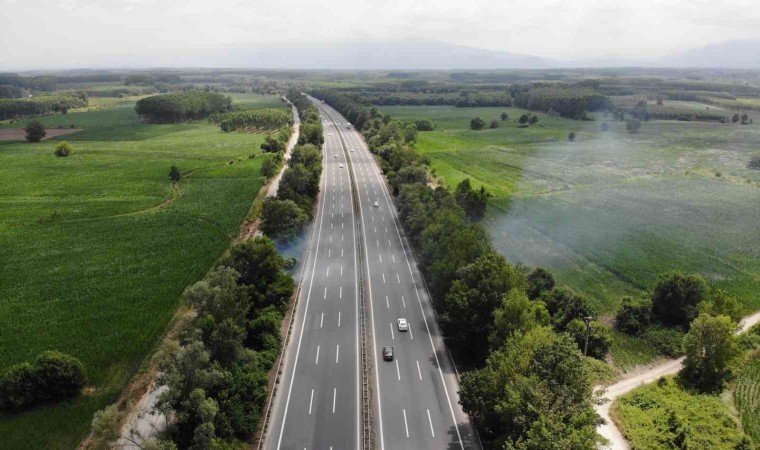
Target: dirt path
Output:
[(640, 378), (19, 134)]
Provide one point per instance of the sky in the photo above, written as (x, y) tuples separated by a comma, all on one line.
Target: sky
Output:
[(97, 33)]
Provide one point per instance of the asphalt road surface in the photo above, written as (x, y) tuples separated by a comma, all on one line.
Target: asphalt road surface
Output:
[(416, 395)]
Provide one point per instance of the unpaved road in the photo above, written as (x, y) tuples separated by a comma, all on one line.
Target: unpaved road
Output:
[(275, 184), (18, 134), (669, 367)]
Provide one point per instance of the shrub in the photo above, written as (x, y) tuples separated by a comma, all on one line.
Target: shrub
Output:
[(174, 174), (571, 136), (633, 125), (666, 341), (477, 123), (754, 162), (63, 149), (634, 316), (269, 168), (504, 116), (599, 337), (540, 280), (35, 131), (494, 123), (54, 376), (524, 119)]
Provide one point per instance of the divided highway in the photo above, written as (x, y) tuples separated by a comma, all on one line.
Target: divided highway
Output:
[(415, 396)]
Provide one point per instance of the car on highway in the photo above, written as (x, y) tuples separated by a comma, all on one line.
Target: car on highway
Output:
[(388, 353), (335, 155), (341, 165), (376, 204), (403, 325), (352, 149)]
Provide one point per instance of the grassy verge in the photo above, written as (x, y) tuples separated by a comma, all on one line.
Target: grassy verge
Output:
[(91, 266)]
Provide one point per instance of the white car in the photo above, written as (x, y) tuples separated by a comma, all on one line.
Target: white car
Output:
[(403, 325), (341, 166), (352, 149), (335, 155), (376, 204)]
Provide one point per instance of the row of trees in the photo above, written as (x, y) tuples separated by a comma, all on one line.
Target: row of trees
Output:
[(529, 387), (259, 119), (41, 104), (217, 371), (183, 106), (573, 102), (284, 216)]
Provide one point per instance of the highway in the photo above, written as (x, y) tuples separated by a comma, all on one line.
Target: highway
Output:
[(415, 396), (317, 405)]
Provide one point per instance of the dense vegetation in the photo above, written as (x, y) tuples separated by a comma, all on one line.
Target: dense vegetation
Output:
[(41, 104), (181, 107), (257, 119), (52, 377), (748, 398), (569, 101)]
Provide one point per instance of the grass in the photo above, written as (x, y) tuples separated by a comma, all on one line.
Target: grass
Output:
[(654, 416), (610, 211), (747, 395), (91, 265)]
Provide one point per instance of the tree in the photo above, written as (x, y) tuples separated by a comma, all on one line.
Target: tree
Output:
[(735, 118), (745, 119), (754, 162), (35, 131), (52, 377), (174, 174), (473, 202), (533, 393), (282, 218), (540, 280), (599, 337), (711, 347), (269, 168), (676, 296), (494, 123), (467, 312), (565, 305), (63, 149), (504, 116), (633, 125), (477, 123), (533, 119), (571, 136), (524, 119), (219, 296), (272, 145), (722, 304), (634, 316), (516, 314)]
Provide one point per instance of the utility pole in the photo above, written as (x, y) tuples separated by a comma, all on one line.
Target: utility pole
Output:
[(587, 319)]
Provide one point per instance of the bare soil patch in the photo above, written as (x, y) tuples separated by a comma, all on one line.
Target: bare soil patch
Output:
[(18, 134)]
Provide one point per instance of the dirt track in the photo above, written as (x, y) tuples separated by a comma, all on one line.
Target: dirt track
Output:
[(18, 134)]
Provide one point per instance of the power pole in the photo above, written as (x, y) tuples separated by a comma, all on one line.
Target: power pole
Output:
[(587, 319)]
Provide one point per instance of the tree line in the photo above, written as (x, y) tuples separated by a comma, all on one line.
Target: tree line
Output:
[(569, 101), (181, 107), (41, 104), (519, 335), (285, 215), (217, 371), (261, 119)]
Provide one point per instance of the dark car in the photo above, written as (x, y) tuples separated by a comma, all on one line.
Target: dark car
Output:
[(388, 353)]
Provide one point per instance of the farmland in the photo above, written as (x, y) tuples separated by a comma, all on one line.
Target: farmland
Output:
[(747, 395), (96, 248), (610, 211)]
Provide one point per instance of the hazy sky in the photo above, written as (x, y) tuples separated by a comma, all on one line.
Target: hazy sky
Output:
[(79, 33)]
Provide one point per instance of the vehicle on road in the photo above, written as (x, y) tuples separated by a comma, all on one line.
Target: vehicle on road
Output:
[(388, 353), (341, 165), (352, 149), (376, 204), (335, 155), (403, 325), (348, 126)]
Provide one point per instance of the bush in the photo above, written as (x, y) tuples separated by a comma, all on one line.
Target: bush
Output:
[(634, 316), (269, 168), (540, 280), (571, 136), (494, 123), (633, 125), (666, 341), (754, 162), (282, 218), (63, 149), (477, 123), (35, 131), (54, 376), (599, 337)]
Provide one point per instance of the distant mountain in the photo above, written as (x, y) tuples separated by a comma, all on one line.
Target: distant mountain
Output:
[(729, 54), (404, 55)]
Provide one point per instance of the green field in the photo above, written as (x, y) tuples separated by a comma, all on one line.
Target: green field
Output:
[(747, 395), (668, 416), (96, 248), (610, 211)]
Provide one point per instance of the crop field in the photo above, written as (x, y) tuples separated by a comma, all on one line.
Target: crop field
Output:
[(96, 248), (610, 211), (747, 396)]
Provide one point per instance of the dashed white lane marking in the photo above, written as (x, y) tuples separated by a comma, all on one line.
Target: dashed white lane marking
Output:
[(386, 229), (338, 319), (311, 401), (321, 320), (387, 302), (341, 270), (316, 361), (398, 372), (335, 392), (325, 296), (337, 353), (398, 278), (381, 258), (405, 424), (383, 278), (394, 258), (419, 372), (329, 251), (328, 271), (403, 301), (340, 292), (410, 333), (341, 253), (392, 335), (430, 421), (389, 243), (378, 242)]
